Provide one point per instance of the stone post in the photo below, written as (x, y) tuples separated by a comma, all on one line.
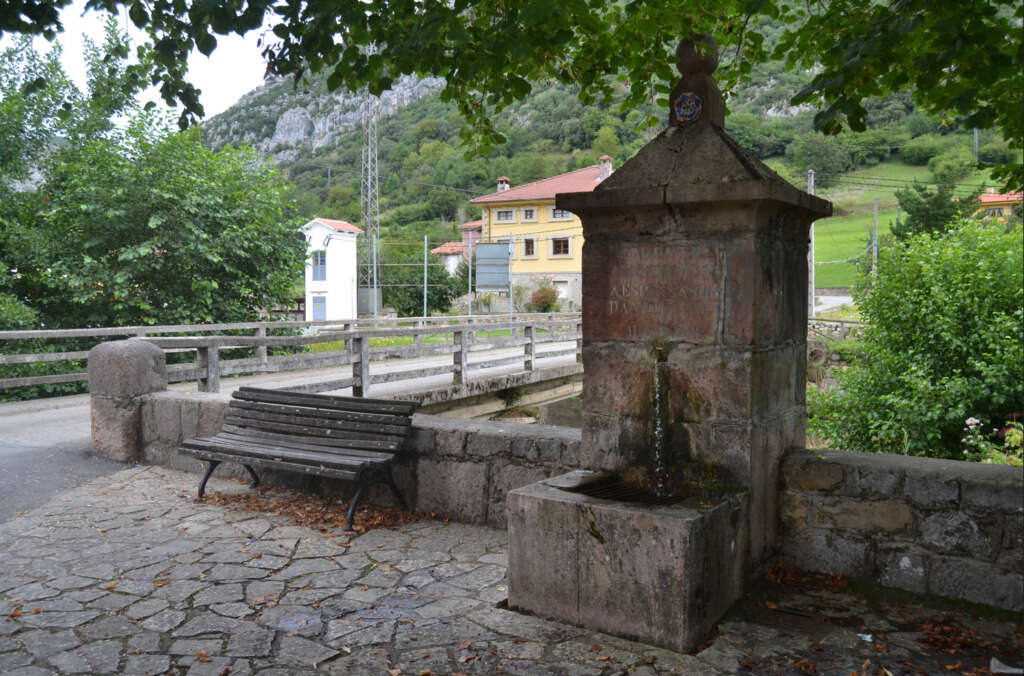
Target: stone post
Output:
[(694, 271), (120, 372)]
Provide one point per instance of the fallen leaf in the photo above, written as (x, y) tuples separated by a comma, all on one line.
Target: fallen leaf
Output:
[(36, 611), (769, 604), (465, 659), (16, 612), (604, 658), (111, 585), (203, 657), (426, 672), (395, 672), (954, 667)]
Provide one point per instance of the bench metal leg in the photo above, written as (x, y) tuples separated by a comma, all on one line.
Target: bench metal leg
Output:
[(209, 470), (255, 477), (352, 506), (390, 481)]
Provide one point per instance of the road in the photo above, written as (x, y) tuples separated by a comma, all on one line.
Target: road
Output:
[(45, 444)]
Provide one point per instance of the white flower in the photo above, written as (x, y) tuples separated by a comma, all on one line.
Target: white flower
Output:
[(972, 422)]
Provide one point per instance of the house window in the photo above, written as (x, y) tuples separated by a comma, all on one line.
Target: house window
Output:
[(560, 247), (560, 214), (528, 215), (506, 215), (320, 266), (995, 212), (319, 308), (529, 247)]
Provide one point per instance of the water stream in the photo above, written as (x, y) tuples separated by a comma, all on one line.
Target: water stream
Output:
[(659, 433)]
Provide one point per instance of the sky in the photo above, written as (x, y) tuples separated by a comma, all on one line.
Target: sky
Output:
[(233, 69)]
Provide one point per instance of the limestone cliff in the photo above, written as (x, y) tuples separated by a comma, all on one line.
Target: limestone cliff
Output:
[(282, 121)]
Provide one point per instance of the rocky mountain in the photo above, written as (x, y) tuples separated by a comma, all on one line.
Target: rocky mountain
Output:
[(284, 121)]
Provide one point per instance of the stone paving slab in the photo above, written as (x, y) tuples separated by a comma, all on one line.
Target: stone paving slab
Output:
[(128, 574)]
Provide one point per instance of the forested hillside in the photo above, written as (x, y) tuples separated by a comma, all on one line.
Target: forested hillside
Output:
[(426, 176)]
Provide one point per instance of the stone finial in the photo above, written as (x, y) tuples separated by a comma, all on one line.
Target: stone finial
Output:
[(698, 54), (696, 97)]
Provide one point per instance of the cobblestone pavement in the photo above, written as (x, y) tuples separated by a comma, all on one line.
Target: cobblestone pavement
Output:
[(128, 574)]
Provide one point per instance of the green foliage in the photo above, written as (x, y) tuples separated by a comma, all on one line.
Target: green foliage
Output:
[(491, 54), (402, 280), (952, 165), (943, 344), (919, 150), (927, 211), (827, 155)]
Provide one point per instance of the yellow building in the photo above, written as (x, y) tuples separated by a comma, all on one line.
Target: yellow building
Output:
[(996, 205), (547, 242)]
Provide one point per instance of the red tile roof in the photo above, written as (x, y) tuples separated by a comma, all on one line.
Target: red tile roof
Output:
[(990, 197), (342, 226), (471, 225), (581, 180), (447, 249)]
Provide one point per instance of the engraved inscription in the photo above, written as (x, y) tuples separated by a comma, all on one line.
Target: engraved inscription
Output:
[(657, 290)]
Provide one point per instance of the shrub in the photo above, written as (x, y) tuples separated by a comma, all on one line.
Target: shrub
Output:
[(952, 165), (943, 345), (544, 299), (918, 151)]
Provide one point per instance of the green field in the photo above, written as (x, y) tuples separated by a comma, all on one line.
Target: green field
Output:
[(845, 236)]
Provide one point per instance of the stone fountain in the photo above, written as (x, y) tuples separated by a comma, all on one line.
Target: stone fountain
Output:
[(694, 343)]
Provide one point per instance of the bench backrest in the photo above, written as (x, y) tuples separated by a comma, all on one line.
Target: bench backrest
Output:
[(351, 423)]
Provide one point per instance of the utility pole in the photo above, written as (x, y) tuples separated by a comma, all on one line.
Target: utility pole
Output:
[(424, 275), (975, 145), (470, 278), (369, 199), (810, 253), (874, 241)]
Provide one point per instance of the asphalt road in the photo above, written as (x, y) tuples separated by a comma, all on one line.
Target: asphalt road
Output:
[(44, 450)]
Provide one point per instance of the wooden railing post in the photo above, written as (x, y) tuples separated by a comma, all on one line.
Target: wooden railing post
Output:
[(459, 357), (530, 348), (208, 361), (261, 350), (361, 366), (579, 342), (418, 338)]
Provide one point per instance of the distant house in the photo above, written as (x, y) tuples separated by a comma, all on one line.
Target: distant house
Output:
[(470, 236), (999, 205), (451, 255), (547, 242), (331, 269)]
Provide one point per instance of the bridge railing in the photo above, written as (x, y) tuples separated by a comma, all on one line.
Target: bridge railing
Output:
[(333, 343)]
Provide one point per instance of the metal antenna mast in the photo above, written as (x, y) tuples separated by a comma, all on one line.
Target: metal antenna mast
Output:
[(369, 201)]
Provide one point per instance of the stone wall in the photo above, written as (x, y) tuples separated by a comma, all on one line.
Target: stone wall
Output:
[(461, 469), (928, 526)]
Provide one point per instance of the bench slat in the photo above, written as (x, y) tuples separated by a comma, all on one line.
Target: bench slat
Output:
[(342, 438), (299, 417), (303, 457), (374, 421), (275, 464), (355, 404), (268, 439)]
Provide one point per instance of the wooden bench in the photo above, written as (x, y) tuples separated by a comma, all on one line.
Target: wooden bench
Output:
[(342, 437)]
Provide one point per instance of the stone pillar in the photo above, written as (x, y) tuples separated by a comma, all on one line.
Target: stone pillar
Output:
[(120, 372), (694, 273)]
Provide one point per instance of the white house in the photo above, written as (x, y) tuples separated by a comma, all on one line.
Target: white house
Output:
[(451, 255), (331, 269)]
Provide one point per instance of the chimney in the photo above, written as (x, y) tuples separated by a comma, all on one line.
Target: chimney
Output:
[(502, 183), (991, 191), (606, 167)]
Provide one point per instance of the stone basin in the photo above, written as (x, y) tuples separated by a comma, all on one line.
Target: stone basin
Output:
[(660, 574)]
